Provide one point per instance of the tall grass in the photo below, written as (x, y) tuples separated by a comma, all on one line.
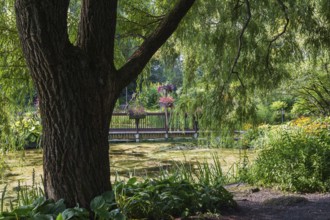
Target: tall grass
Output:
[(3, 165), (25, 195), (205, 172), (3, 198)]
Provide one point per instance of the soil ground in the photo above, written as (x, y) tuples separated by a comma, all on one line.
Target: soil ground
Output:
[(252, 205)]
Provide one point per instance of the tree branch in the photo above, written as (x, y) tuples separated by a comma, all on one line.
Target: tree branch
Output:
[(319, 103), (143, 54), (240, 42), (97, 28), (146, 13), (276, 37), (42, 27)]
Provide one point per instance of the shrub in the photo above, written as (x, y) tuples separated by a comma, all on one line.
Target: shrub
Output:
[(295, 157), (170, 197), (24, 132)]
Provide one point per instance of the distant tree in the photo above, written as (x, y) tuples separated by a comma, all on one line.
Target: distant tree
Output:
[(312, 90)]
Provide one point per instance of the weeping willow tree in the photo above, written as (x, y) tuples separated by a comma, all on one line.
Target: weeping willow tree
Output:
[(235, 51), (16, 88), (311, 87), (79, 79), (81, 54)]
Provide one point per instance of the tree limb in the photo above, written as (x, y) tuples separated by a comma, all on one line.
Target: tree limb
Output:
[(43, 28), (97, 28), (319, 103), (276, 37), (240, 41), (158, 37)]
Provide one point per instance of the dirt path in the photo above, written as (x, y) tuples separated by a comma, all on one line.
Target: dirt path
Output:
[(266, 204)]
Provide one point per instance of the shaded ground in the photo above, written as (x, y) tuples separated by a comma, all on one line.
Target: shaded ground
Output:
[(253, 206)]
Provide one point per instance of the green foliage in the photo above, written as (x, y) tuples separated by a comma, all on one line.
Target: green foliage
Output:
[(294, 157), (3, 199), (104, 207), (278, 105), (170, 197), (188, 189), (149, 97), (27, 130), (243, 55), (163, 198), (312, 89), (24, 131), (41, 209), (3, 165), (16, 88), (204, 173)]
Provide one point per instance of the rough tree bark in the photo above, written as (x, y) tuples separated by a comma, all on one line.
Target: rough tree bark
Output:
[(78, 86)]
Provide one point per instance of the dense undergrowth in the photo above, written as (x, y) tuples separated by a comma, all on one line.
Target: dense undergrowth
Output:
[(184, 192), (294, 156)]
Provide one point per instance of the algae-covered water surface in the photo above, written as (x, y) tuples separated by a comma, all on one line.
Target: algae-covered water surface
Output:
[(125, 159)]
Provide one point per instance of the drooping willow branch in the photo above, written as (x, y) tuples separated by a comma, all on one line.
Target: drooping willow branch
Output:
[(239, 49), (276, 37), (240, 42)]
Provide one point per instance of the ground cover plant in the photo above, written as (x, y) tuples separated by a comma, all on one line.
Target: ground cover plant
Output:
[(188, 189)]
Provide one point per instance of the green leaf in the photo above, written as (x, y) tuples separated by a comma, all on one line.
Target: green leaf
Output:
[(59, 217), (97, 203), (68, 214), (117, 215), (23, 211), (132, 181), (80, 213), (103, 214), (42, 217), (109, 197), (58, 207)]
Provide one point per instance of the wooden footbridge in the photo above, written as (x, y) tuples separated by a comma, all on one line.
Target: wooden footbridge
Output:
[(151, 126)]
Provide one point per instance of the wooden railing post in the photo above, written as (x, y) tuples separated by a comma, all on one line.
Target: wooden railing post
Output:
[(166, 124), (195, 124), (137, 135)]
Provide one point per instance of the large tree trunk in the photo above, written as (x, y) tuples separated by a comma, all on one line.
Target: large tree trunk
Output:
[(76, 109), (78, 87), (77, 93)]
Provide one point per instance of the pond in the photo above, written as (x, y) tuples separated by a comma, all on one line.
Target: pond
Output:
[(140, 159)]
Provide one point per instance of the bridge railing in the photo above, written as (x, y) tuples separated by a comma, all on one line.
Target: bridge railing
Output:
[(122, 127), (153, 120)]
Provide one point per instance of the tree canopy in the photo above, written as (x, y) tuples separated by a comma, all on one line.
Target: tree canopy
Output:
[(237, 47), (240, 50), (82, 53)]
